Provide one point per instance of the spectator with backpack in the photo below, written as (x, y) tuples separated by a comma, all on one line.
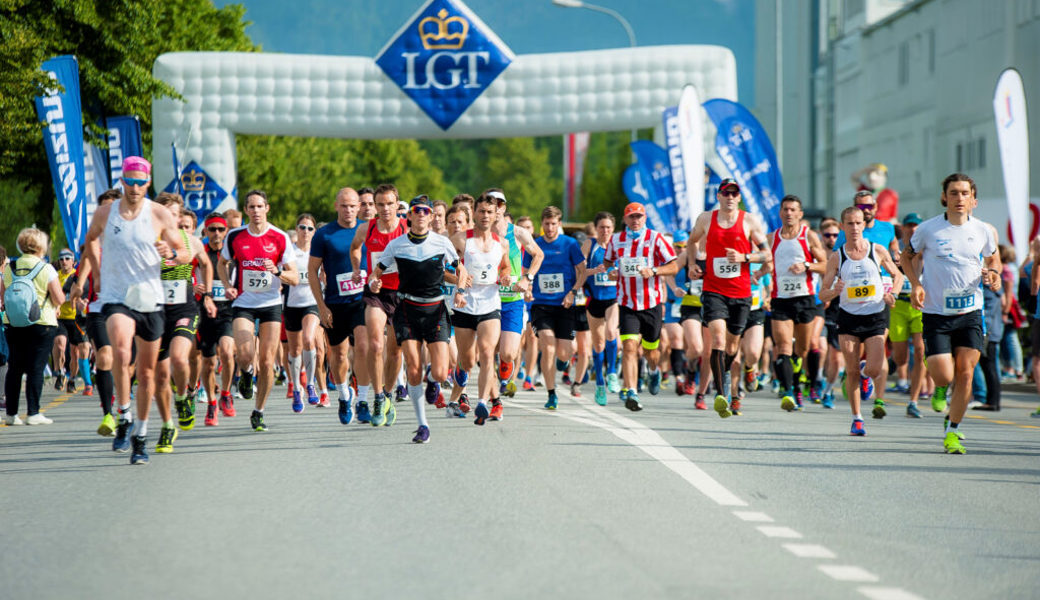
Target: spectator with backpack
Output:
[(31, 293)]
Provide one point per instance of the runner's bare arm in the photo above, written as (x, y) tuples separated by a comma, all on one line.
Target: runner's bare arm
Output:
[(289, 274), (830, 289), (505, 272), (756, 233), (205, 287), (897, 277), (523, 237), (818, 252), (314, 264), (170, 244), (355, 251), (222, 272), (700, 228)]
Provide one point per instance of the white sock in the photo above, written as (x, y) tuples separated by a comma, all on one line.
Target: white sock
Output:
[(362, 393), (310, 364), (415, 392), (141, 427), (125, 414), (294, 370)]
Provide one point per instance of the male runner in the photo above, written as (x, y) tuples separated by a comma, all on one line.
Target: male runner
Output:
[(906, 326), (422, 315), (262, 255), (340, 307), (829, 230), (643, 258), (728, 235), (215, 337), (959, 254)]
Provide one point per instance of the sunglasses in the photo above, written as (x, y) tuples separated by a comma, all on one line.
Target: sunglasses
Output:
[(865, 206), (135, 182), (421, 210), (830, 236), (305, 227), (66, 258), (729, 194), (216, 229)]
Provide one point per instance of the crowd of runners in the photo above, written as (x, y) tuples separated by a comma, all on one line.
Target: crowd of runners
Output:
[(397, 298)]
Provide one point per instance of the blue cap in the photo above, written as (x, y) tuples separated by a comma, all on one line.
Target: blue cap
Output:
[(680, 237)]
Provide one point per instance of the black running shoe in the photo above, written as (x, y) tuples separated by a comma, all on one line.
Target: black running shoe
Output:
[(256, 421), (245, 386), (121, 443), (139, 455), (186, 413)]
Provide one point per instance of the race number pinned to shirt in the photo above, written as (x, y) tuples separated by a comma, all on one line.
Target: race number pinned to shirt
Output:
[(724, 269), (550, 283), (175, 292), (346, 285), (218, 290), (959, 302), (603, 279), (508, 289), (630, 265), (791, 286), (859, 293), (257, 281), (484, 274)]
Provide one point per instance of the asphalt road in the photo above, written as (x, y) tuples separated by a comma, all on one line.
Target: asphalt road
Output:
[(583, 502)]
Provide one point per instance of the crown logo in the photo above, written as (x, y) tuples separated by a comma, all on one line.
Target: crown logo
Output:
[(193, 181), (440, 33)]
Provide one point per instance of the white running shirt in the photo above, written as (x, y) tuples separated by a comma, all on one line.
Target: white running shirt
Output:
[(131, 265), (482, 296), (953, 256)]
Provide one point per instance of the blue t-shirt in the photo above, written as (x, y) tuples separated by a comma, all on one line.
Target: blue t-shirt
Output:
[(599, 287), (556, 275), (331, 244)]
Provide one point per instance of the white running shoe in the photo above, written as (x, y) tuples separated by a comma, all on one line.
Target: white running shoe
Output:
[(38, 419)]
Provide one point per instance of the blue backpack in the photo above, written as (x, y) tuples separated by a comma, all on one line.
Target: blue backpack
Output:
[(20, 299)]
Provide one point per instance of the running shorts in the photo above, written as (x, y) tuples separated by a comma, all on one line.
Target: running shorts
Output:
[(557, 319), (905, 321), (943, 333), (646, 323), (863, 326), (732, 310), (421, 322)]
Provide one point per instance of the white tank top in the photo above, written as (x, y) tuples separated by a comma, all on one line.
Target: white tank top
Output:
[(300, 295), (131, 265), (863, 293), (482, 296)]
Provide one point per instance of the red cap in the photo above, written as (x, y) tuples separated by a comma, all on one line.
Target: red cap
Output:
[(634, 208)]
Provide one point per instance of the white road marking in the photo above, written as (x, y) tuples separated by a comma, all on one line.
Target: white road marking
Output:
[(809, 551), (887, 593), (755, 517), (777, 531), (848, 573)]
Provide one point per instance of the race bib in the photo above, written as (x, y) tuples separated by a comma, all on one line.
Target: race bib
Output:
[(603, 279), (346, 285), (508, 289), (959, 302), (175, 292), (303, 278), (675, 309), (791, 286), (724, 269), (859, 293), (375, 261), (630, 265), (580, 299), (257, 281), (484, 276), (886, 283), (550, 283), (756, 300), (218, 291), (695, 287), (905, 290)]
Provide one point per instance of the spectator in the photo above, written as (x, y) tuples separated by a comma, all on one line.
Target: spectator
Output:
[(1010, 347)]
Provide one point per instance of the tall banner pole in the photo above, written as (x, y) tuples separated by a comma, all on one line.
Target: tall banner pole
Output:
[(691, 141), (1009, 110)]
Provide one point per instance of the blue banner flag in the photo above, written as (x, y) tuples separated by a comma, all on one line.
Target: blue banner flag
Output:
[(124, 139), (711, 190), (654, 162), (96, 179), (201, 192), (63, 142), (746, 151), (639, 187)]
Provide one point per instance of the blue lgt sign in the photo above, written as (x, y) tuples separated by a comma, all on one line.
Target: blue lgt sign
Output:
[(443, 59), (201, 193)]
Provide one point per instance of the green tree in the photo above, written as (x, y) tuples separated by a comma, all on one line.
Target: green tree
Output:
[(521, 169)]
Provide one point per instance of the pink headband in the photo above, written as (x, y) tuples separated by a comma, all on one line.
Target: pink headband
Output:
[(136, 163)]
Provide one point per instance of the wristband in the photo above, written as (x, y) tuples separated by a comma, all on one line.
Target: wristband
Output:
[(278, 273)]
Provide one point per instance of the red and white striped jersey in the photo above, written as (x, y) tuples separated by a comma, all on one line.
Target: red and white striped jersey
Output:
[(648, 249)]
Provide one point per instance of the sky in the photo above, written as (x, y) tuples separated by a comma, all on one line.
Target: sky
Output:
[(362, 27)]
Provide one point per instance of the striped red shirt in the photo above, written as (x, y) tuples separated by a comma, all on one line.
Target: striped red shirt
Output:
[(648, 249)]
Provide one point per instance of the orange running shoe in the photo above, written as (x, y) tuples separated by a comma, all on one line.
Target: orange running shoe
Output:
[(496, 410)]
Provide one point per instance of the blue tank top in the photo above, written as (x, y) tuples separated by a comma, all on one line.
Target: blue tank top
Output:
[(599, 287)]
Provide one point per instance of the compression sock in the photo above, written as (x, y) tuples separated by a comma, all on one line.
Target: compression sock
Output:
[(105, 386), (597, 367), (310, 366), (610, 353), (362, 393), (415, 393), (718, 370), (813, 365), (784, 372), (678, 362), (84, 371), (294, 371)]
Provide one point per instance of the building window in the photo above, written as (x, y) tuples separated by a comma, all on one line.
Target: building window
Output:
[(980, 153), (960, 158), (931, 51), (904, 63)]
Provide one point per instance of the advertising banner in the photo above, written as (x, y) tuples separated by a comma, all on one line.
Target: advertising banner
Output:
[(1009, 109)]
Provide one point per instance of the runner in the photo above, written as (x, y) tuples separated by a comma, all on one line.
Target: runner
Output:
[(478, 323), (835, 364), (340, 307), (797, 255), (560, 275), (366, 204), (138, 235), (678, 285), (262, 256), (215, 335), (422, 315), (643, 258), (854, 277), (525, 260), (906, 326), (301, 320), (601, 288), (958, 254), (71, 338), (384, 354), (728, 235)]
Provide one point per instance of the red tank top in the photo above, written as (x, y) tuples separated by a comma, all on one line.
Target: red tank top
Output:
[(732, 280), (783, 259), (375, 243)]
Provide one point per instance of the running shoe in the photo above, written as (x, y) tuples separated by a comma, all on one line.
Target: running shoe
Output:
[(422, 435), (481, 413), (939, 398), (211, 414), (722, 407), (952, 444), (400, 393), (735, 407), (654, 383), (1035, 414), (256, 421), (121, 443), (529, 387), (139, 456), (345, 414), (323, 398), (245, 386), (601, 395), (59, 383), (185, 413), (575, 390), (167, 435), (380, 407), (38, 419), (363, 416), (510, 389), (88, 391), (866, 388), (632, 400), (857, 428), (613, 384), (453, 411), (814, 394), (912, 411), (496, 410), (433, 389), (901, 389), (312, 395), (226, 404), (550, 404), (879, 409), (461, 377), (750, 380), (12, 420), (799, 397), (391, 414), (689, 389), (440, 402), (828, 400), (787, 403), (70, 387), (776, 387), (957, 432), (289, 390), (280, 379), (566, 379), (464, 403), (700, 404), (107, 427), (297, 402)]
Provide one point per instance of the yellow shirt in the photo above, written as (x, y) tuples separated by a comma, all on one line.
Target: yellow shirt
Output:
[(24, 264), (66, 310)]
